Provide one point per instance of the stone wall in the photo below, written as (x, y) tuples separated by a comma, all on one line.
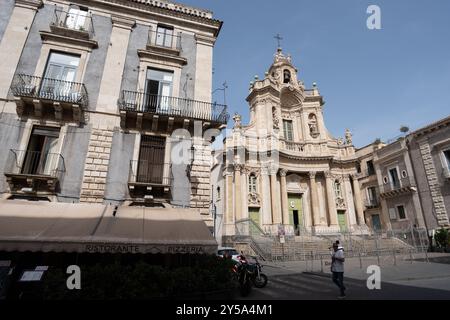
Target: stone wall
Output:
[(96, 167)]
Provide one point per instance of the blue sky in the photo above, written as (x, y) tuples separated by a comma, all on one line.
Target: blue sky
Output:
[(373, 81)]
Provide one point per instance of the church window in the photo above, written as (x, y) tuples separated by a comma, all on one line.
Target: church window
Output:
[(287, 129), (286, 76), (252, 183)]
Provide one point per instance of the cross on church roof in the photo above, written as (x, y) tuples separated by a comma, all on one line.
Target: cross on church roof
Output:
[(279, 38)]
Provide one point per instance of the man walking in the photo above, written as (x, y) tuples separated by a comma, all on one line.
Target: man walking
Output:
[(337, 267)]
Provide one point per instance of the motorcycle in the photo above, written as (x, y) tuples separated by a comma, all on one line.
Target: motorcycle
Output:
[(244, 274), (259, 279)]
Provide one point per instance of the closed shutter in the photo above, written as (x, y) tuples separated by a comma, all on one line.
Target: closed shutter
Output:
[(151, 160)]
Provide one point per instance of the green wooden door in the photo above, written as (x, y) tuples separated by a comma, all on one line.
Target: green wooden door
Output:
[(295, 211), (255, 216), (342, 221)]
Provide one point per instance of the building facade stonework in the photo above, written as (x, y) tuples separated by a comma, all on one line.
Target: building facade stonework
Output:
[(284, 171), (99, 97)]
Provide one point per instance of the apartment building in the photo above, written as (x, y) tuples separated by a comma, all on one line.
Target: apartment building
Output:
[(101, 99)]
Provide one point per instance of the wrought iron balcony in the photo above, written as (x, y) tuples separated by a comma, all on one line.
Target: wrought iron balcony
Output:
[(164, 40), (133, 103), (402, 186), (150, 181), (34, 171), (74, 23), (372, 203), (45, 95)]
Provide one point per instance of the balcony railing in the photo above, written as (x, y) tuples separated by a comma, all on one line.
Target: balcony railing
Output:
[(74, 20), (173, 107), (49, 89), (372, 203), (145, 172), (164, 40), (292, 146), (401, 184), (35, 163)]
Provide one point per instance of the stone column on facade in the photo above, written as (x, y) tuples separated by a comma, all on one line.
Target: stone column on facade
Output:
[(350, 203), (114, 64), (266, 197), (229, 218), (276, 215), (237, 192), (13, 41), (358, 201), (314, 199), (204, 60), (284, 198), (332, 211)]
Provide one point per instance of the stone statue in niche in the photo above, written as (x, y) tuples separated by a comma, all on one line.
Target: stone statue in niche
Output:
[(276, 119), (313, 129), (348, 137)]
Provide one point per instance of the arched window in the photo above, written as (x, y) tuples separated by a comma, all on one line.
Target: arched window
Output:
[(252, 183), (218, 193), (286, 76)]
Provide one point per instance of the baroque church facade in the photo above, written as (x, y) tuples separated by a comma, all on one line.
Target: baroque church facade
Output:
[(283, 172)]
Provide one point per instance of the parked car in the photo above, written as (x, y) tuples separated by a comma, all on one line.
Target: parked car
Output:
[(231, 252)]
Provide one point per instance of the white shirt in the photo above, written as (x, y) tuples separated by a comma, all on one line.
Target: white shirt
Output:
[(338, 266)]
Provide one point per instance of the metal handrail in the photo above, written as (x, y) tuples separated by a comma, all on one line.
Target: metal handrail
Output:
[(49, 89), (78, 21), (163, 40), (37, 163), (172, 106), (144, 171)]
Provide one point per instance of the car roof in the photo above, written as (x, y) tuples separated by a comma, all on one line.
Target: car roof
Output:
[(226, 248)]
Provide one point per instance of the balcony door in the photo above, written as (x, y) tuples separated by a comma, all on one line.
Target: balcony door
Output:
[(59, 77), (395, 181), (41, 155), (158, 90), (151, 160), (76, 18)]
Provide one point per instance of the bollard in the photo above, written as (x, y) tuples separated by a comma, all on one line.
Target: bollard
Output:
[(360, 261), (395, 259), (378, 258), (410, 256), (312, 261)]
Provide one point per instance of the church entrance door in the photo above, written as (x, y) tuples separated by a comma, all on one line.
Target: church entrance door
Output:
[(296, 213)]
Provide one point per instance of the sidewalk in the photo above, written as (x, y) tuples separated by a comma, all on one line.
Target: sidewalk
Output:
[(400, 270)]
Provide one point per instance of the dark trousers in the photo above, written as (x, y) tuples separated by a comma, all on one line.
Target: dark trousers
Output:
[(338, 279)]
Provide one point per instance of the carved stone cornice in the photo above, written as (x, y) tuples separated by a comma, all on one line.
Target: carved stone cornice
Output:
[(29, 4), (123, 22), (252, 170), (52, 37), (176, 61), (238, 167), (205, 39), (283, 172)]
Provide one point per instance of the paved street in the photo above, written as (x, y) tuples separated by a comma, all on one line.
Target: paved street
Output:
[(406, 280)]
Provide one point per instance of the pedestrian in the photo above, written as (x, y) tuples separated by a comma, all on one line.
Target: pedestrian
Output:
[(337, 267)]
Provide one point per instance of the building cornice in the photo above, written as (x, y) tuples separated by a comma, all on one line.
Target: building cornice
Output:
[(163, 8), (123, 22), (29, 4)]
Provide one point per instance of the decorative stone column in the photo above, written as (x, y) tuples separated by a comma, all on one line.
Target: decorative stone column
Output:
[(266, 197), (284, 197), (237, 192), (350, 203), (358, 201), (229, 218), (331, 200), (314, 199), (276, 216)]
